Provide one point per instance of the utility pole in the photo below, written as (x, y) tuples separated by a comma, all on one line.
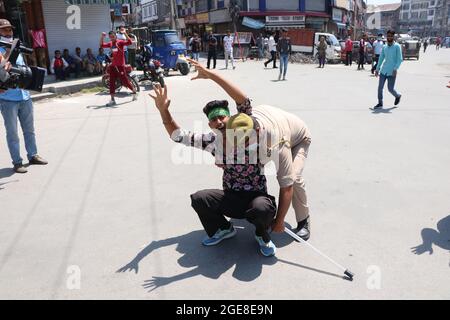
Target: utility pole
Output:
[(172, 15)]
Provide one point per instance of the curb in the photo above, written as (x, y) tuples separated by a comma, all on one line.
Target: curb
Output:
[(51, 92)]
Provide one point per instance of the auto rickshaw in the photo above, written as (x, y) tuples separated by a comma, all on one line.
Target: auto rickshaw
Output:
[(410, 48), (170, 51)]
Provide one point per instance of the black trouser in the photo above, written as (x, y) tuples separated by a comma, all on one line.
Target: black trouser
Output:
[(60, 73), (361, 60), (375, 64), (212, 54), (273, 58), (349, 58), (213, 205)]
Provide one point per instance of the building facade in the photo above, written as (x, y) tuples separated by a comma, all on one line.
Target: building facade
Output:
[(417, 16), (381, 18)]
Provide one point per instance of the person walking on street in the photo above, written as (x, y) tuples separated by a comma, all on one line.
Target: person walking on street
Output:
[(438, 43), (195, 47), (228, 42), (362, 52), (117, 68), (425, 45), (212, 50), (17, 104), (390, 60), (322, 51), (260, 46), (132, 48), (273, 52), (284, 48), (349, 51), (377, 47)]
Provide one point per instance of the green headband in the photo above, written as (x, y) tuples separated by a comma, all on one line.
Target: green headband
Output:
[(218, 112)]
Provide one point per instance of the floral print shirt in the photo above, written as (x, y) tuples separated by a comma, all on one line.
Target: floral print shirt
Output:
[(242, 175)]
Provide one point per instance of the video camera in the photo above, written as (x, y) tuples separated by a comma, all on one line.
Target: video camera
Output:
[(20, 76)]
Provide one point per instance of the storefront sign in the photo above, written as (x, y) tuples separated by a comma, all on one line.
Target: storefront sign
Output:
[(219, 16), (202, 17), (285, 20), (190, 19), (337, 14)]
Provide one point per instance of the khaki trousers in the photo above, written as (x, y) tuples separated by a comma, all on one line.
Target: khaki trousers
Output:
[(299, 199)]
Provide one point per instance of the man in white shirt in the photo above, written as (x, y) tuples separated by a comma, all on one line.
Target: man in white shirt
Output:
[(121, 36), (273, 52), (228, 41), (377, 48)]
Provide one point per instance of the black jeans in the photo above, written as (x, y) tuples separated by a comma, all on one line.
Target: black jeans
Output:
[(212, 54), (213, 205), (375, 64), (349, 58), (361, 60), (273, 58)]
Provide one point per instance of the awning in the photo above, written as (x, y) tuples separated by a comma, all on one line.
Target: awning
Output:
[(101, 1), (252, 23)]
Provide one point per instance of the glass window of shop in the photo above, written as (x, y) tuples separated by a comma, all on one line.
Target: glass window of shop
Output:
[(315, 5), (283, 5), (253, 5)]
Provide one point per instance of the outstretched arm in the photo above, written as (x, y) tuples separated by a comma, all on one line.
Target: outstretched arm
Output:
[(162, 103), (233, 91)]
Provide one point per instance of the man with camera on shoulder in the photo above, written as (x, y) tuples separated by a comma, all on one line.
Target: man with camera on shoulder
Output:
[(17, 104)]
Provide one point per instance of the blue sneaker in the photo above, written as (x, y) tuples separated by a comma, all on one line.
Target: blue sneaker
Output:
[(267, 249), (219, 236)]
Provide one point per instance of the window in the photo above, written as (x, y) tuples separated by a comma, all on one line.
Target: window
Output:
[(431, 13), (201, 5), (253, 5), (415, 6), (220, 4), (315, 5), (414, 15), (405, 16), (159, 41), (287, 5), (423, 15), (405, 6)]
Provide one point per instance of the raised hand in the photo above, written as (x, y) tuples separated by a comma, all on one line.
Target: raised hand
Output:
[(161, 100), (203, 73)]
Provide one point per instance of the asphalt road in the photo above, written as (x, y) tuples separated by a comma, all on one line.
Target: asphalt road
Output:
[(116, 194)]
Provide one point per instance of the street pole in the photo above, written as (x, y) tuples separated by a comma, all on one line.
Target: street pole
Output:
[(172, 15)]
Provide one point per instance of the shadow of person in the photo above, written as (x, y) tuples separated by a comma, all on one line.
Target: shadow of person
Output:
[(241, 251), (6, 172), (440, 238), (381, 110)]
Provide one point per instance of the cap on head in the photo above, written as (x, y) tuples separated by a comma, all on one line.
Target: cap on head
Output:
[(239, 126), (5, 24), (216, 108)]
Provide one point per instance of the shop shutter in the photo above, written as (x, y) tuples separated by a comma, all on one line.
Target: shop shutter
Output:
[(95, 19)]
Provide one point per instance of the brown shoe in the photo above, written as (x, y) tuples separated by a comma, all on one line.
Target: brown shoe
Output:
[(19, 168), (38, 160)]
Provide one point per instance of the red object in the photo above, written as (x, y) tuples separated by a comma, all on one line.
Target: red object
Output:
[(118, 72), (157, 63), (349, 45), (38, 38), (118, 55), (58, 63), (301, 37)]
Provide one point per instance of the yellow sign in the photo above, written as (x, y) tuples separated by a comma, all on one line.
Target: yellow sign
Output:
[(202, 17)]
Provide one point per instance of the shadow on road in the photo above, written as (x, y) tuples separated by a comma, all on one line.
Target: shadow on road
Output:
[(240, 252), (377, 111), (439, 237), (6, 172)]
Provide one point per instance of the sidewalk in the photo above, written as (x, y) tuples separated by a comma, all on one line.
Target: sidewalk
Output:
[(54, 88)]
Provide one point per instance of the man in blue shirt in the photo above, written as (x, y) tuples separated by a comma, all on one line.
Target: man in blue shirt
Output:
[(16, 104), (390, 60)]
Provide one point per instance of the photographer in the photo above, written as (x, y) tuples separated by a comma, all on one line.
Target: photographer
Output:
[(16, 104)]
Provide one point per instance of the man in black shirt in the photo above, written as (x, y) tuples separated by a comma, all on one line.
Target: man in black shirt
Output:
[(212, 49)]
